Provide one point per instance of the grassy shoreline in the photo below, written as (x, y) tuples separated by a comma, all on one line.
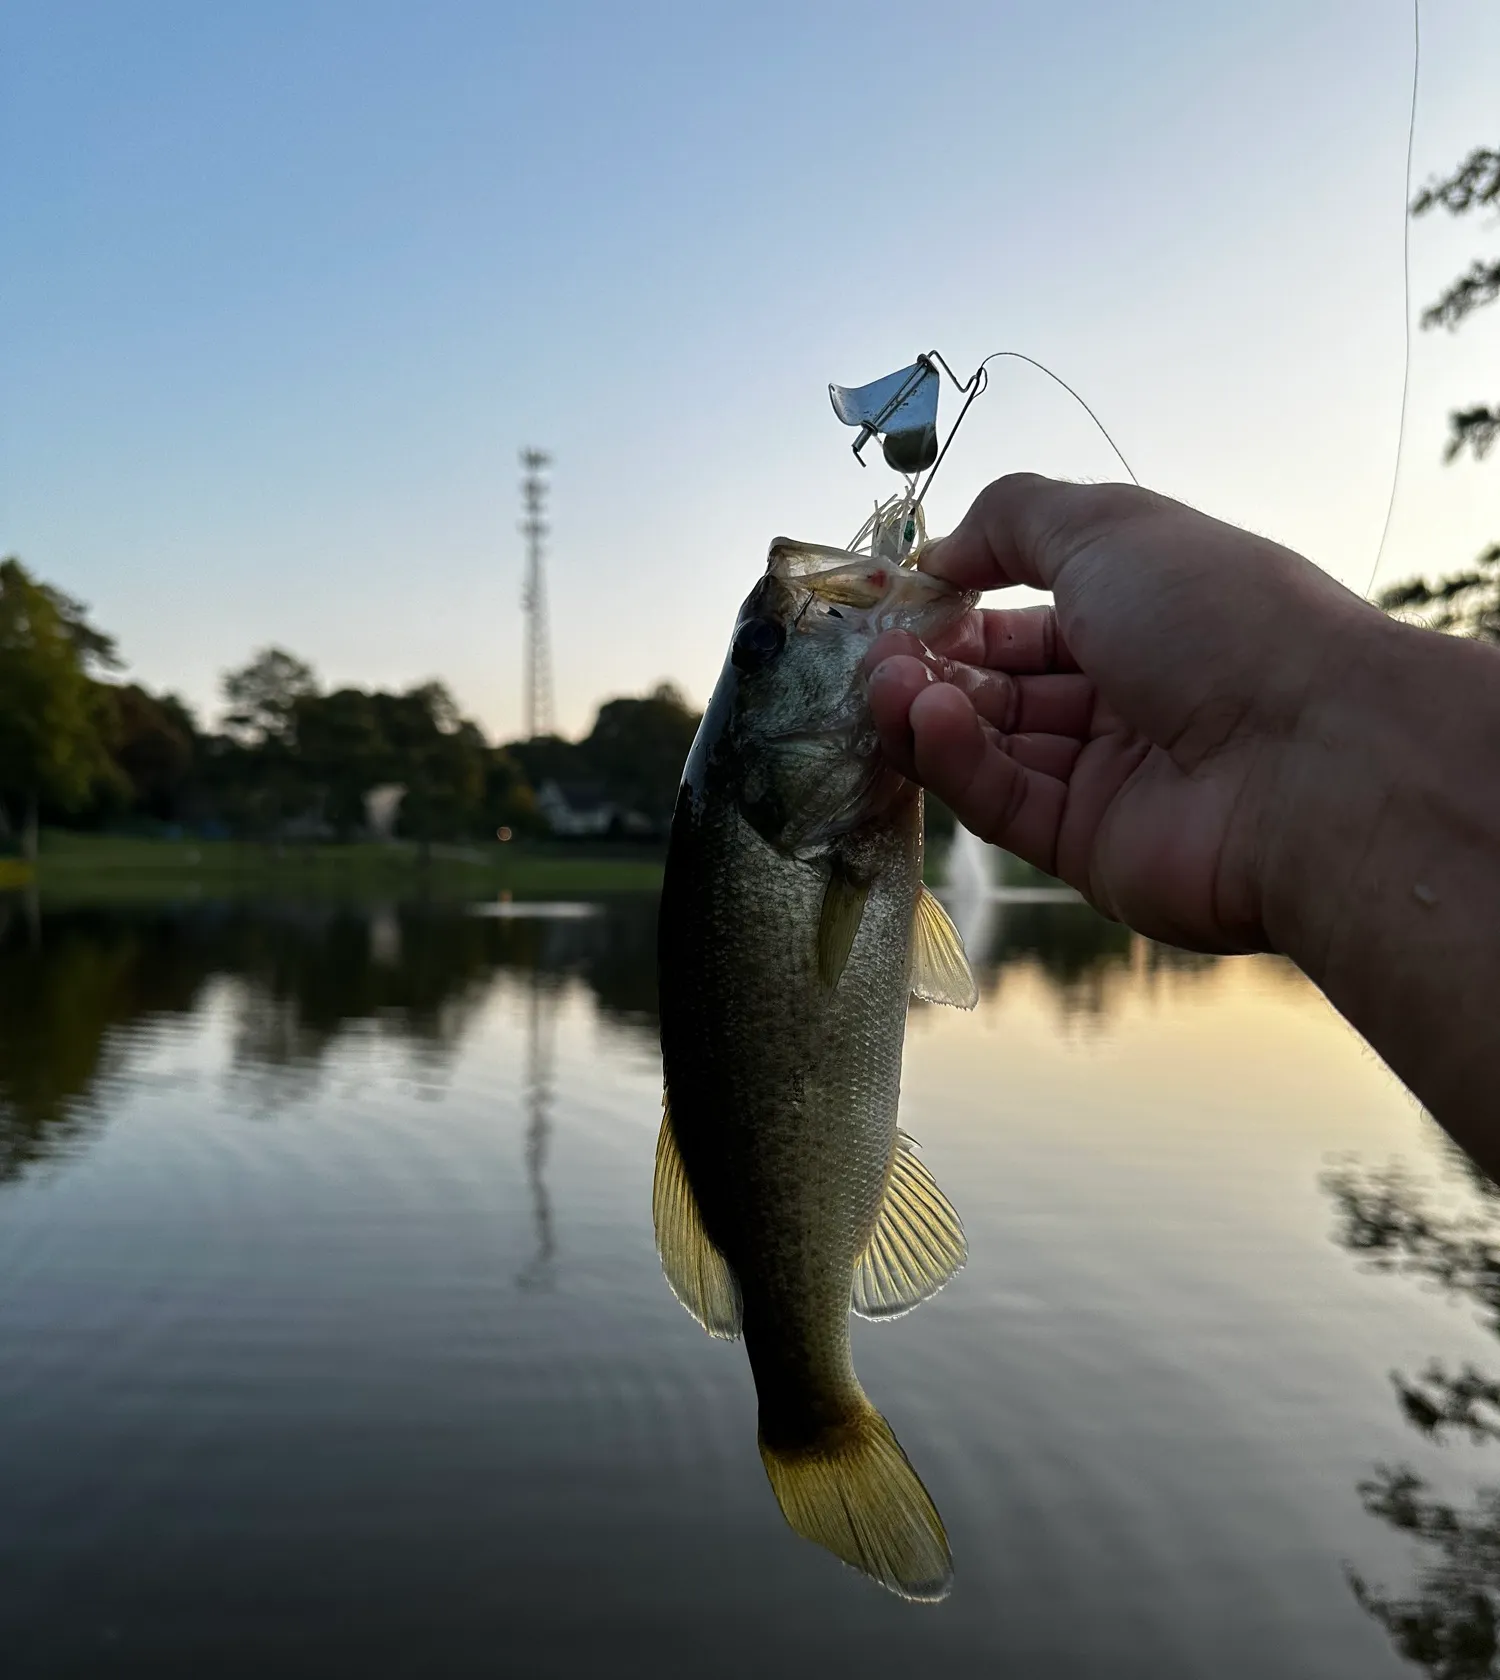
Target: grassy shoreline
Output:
[(103, 867), (74, 866)]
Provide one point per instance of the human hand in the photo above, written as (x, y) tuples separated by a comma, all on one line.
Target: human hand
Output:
[(1147, 737)]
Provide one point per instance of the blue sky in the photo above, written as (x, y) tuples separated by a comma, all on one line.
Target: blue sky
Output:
[(288, 285)]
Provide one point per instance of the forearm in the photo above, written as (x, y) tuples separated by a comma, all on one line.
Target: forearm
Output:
[(1383, 883)]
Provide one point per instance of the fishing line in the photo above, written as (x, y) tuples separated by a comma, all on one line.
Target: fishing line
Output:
[(975, 385), (872, 421), (1411, 132), (978, 383)]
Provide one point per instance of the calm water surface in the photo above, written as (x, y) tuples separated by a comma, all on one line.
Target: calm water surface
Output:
[(333, 1341)]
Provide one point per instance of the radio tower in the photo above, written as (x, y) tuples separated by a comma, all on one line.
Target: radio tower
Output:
[(537, 698)]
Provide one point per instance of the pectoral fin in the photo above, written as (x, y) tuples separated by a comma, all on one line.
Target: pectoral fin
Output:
[(940, 971), (701, 1278), (917, 1245), (843, 906)]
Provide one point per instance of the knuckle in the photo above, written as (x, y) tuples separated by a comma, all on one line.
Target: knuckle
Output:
[(1090, 512)]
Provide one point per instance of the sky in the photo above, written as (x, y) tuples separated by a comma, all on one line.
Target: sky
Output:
[(288, 286)]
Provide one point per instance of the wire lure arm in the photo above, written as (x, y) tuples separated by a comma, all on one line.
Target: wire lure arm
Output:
[(901, 409)]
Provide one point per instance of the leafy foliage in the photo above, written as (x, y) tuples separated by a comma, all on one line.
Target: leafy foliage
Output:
[(633, 756), (1473, 185), (1472, 428), (153, 740), (1464, 604), (1467, 604), (1471, 291), (291, 761), (263, 695), (638, 748), (52, 718)]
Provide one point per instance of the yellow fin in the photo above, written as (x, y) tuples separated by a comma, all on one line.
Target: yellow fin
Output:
[(843, 906), (854, 1492), (701, 1278), (917, 1246), (940, 971)]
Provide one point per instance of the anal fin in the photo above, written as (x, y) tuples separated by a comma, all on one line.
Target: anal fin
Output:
[(917, 1245), (701, 1278)]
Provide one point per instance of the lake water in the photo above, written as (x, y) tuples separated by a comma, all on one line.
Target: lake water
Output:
[(333, 1340)]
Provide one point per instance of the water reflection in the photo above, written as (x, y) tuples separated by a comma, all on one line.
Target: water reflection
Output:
[(79, 987), (342, 1349), (66, 998), (1449, 1238), (1089, 962), (541, 1041), (79, 993)]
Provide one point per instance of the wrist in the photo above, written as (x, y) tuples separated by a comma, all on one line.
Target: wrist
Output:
[(1382, 858)]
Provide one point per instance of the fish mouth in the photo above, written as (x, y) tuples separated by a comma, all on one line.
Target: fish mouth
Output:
[(882, 595), (846, 598), (831, 777)]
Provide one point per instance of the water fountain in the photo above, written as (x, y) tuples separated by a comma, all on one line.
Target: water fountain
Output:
[(968, 892), (974, 896)]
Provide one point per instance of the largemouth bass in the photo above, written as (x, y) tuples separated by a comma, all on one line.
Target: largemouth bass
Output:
[(794, 927)]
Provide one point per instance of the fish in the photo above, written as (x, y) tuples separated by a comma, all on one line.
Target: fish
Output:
[(794, 927)]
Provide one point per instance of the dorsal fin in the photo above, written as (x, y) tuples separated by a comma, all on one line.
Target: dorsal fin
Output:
[(940, 971), (701, 1278), (917, 1245)]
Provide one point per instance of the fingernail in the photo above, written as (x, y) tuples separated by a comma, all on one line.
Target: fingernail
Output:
[(873, 674)]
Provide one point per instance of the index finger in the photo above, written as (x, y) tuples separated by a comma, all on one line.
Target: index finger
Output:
[(1022, 640), (1024, 528)]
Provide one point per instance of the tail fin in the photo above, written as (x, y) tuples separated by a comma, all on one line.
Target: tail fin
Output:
[(854, 1491)]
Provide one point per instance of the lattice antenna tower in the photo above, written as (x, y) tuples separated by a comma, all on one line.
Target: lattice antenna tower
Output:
[(537, 698)]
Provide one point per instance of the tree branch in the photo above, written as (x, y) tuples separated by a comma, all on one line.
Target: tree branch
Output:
[(1473, 428), (1476, 181), (1471, 291)]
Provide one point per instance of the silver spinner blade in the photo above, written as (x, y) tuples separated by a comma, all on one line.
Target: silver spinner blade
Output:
[(901, 409)]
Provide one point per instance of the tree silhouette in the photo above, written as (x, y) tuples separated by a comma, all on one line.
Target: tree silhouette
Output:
[(1467, 604), (52, 718), (1449, 1622)]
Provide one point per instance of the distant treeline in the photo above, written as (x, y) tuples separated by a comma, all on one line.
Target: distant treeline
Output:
[(290, 760)]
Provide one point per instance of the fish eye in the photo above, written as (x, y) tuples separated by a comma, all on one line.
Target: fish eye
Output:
[(756, 643)]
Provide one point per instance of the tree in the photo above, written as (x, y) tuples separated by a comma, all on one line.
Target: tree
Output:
[(263, 695), (509, 801), (345, 743), (637, 749), (256, 766), (1468, 603), (153, 741), (1464, 603), (550, 758), (440, 759), (343, 751), (53, 715), (633, 756)]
